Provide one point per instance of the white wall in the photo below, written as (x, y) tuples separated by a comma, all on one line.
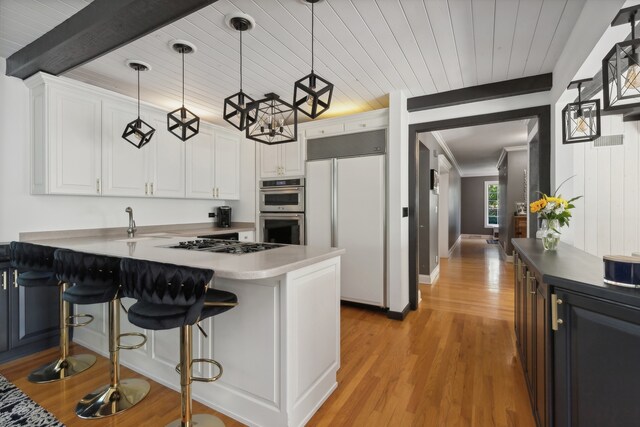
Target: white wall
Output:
[(20, 211)]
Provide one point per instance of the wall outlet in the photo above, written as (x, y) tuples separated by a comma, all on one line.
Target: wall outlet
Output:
[(212, 214), (437, 258)]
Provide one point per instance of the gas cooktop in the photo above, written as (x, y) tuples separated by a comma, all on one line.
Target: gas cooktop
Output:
[(224, 246)]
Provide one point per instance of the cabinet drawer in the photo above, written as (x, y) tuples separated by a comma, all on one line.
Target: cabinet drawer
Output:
[(362, 125), (324, 131)]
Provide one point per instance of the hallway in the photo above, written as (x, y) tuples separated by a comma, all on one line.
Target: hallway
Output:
[(450, 363)]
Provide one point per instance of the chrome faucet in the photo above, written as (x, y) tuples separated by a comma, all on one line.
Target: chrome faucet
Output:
[(131, 231)]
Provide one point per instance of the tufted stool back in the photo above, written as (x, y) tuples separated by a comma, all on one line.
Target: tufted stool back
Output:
[(169, 296), (30, 257), (93, 278)]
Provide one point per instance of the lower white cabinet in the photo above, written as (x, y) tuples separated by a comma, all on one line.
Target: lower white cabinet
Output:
[(213, 165), (247, 236)]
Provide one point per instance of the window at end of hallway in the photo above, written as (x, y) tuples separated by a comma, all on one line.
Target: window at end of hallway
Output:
[(491, 203)]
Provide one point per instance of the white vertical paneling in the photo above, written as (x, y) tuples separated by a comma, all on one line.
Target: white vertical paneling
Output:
[(505, 26), (483, 29), (462, 20), (526, 23), (616, 189), (578, 220), (590, 197), (603, 200), (631, 202)]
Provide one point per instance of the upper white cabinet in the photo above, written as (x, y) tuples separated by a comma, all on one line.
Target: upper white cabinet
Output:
[(66, 141), (78, 148), (282, 159), (213, 165)]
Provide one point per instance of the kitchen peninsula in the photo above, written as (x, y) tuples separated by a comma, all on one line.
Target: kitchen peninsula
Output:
[(280, 348)]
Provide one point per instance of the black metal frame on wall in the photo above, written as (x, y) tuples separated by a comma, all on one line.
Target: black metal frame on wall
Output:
[(541, 157)]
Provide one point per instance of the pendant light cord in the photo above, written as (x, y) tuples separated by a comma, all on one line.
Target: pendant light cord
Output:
[(241, 60), (138, 93), (183, 78), (580, 93), (312, 21)]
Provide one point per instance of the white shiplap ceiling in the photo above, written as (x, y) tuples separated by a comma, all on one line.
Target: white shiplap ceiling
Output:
[(476, 149), (366, 48)]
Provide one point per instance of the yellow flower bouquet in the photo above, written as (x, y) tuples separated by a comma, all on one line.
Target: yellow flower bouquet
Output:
[(556, 212)]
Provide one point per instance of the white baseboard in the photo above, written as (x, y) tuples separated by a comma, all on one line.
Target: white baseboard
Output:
[(508, 258), (430, 279), (456, 243)]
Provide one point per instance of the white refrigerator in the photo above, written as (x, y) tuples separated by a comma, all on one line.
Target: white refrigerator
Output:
[(345, 207)]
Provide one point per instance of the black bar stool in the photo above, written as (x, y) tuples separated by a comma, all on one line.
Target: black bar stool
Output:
[(95, 279), (36, 266), (170, 296)]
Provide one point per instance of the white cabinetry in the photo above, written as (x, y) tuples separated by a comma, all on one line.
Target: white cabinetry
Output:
[(213, 165), (282, 159), (246, 236), (66, 141)]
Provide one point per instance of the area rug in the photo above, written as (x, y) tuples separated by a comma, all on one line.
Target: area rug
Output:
[(492, 241), (17, 409)]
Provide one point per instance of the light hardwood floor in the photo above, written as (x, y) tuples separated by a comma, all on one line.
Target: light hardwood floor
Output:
[(452, 362)]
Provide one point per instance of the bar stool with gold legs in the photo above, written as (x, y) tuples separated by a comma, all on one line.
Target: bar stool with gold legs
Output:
[(36, 266), (170, 296), (95, 279)]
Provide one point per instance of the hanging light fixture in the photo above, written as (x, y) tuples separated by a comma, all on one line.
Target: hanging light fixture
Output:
[(182, 122), (621, 66), (138, 132), (580, 120), (312, 94), (235, 106), (276, 121)]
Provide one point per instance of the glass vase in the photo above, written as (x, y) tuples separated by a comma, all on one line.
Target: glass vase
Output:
[(551, 235)]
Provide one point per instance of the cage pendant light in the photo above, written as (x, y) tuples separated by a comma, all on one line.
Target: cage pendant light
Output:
[(182, 122), (138, 132), (276, 121), (312, 94), (236, 112), (580, 120), (621, 66)]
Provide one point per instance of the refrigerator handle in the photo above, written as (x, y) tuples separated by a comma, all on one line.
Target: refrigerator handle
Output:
[(334, 202)]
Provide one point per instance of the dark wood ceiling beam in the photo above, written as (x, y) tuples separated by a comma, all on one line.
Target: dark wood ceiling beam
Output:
[(97, 29), (521, 86)]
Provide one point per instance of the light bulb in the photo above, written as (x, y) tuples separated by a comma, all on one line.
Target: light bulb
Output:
[(632, 79), (581, 125)]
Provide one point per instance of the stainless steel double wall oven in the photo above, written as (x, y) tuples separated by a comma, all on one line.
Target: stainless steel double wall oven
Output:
[(282, 211)]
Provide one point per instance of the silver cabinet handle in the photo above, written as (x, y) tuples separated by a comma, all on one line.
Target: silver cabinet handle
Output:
[(213, 192), (15, 278), (217, 192), (146, 188), (151, 186), (98, 185), (4, 280)]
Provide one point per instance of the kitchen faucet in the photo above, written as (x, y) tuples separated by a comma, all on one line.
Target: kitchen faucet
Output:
[(131, 231)]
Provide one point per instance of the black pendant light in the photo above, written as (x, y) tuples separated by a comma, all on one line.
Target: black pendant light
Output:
[(138, 132), (235, 106), (621, 66), (276, 121), (312, 94), (182, 122), (580, 120)]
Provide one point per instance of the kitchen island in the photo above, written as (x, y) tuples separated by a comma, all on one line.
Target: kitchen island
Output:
[(280, 347)]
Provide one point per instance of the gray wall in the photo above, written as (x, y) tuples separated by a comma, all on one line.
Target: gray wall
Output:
[(472, 206), (428, 202), (454, 206), (512, 178)]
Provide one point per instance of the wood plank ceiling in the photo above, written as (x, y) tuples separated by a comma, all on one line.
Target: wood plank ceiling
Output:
[(366, 48)]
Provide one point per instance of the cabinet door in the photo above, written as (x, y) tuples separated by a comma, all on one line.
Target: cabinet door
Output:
[(74, 142), (34, 313), (292, 158), (269, 160), (167, 161), (319, 195), (4, 309), (124, 167), (541, 334), (200, 165), (596, 369), (227, 165), (530, 319)]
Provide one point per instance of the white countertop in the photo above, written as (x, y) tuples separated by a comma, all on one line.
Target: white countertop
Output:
[(258, 265)]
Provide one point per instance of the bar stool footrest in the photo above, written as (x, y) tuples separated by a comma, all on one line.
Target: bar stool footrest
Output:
[(132, 346), (204, 379), (79, 324), (109, 400)]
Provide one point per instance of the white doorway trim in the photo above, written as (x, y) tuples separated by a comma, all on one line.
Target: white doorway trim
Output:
[(444, 166)]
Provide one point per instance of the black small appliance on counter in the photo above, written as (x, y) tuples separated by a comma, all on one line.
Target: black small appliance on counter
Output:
[(224, 216)]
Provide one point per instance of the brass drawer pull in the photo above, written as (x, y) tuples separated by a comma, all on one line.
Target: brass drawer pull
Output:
[(4, 280), (555, 321)]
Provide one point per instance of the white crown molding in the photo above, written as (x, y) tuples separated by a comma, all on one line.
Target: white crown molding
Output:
[(516, 148), (534, 130), (443, 163), (443, 144), (487, 174)]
